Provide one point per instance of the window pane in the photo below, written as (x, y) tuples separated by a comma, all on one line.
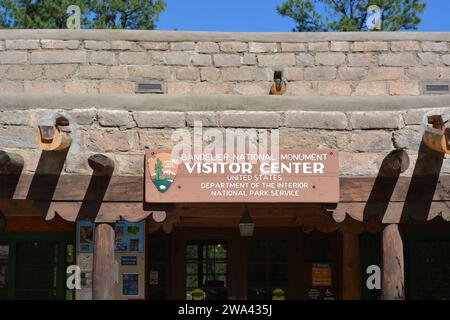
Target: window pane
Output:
[(221, 268), (206, 268), (4, 255), (192, 268)]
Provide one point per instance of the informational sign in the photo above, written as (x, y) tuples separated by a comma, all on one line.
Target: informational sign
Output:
[(313, 294), (85, 236), (321, 275), (307, 175), (128, 260), (129, 236), (85, 262), (320, 294), (130, 284), (154, 278)]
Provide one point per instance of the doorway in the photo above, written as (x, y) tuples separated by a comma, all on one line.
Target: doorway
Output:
[(219, 264), (33, 265)]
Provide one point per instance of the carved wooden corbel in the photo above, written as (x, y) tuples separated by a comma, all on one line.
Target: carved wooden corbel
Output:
[(55, 137), (437, 138)]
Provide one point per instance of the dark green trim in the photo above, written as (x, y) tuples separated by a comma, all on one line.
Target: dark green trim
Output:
[(370, 254), (410, 248), (56, 236), (61, 238)]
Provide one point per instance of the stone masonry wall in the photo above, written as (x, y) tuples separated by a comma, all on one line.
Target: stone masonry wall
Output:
[(214, 63), (363, 138)]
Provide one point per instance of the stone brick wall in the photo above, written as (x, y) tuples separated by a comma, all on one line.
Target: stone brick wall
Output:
[(363, 64), (363, 138)]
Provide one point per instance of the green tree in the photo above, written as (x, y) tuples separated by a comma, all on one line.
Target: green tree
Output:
[(131, 14), (109, 14), (32, 14), (158, 169), (350, 15)]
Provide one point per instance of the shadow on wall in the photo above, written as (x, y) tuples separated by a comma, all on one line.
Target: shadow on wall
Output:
[(422, 187)]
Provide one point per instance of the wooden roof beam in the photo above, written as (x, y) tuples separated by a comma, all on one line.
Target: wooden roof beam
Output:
[(437, 137), (10, 162), (55, 136)]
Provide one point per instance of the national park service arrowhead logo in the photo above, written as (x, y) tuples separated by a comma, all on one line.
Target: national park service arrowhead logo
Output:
[(163, 170)]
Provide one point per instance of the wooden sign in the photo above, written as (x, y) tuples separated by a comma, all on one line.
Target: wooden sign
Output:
[(306, 175)]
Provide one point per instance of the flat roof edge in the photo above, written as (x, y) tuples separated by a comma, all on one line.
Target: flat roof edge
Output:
[(174, 36), (218, 102)]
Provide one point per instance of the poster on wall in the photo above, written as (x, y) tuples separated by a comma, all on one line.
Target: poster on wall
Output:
[(321, 275), (130, 284), (129, 236), (85, 236)]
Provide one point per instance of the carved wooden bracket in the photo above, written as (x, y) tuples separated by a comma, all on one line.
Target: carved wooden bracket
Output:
[(392, 212), (55, 137), (437, 138), (166, 225)]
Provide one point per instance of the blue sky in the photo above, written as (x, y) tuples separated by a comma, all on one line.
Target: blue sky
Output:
[(261, 15)]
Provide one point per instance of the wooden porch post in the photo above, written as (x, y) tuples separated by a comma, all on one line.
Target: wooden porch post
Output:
[(351, 267), (393, 287), (103, 273)]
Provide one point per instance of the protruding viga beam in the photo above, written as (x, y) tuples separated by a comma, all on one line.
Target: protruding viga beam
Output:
[(101, 164), (437, 138), (10, 162), (54, 137)]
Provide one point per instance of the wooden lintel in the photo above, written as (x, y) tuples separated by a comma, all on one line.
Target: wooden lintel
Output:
[(131, 188), (380, 213)]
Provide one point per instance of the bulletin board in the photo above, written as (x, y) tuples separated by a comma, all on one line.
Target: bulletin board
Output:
[(129, 237)]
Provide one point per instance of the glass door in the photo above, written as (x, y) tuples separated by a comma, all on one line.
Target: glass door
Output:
[(36, 270), (206, 270), (33, 266)]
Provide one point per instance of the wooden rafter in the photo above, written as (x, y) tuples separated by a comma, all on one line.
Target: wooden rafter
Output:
[(437, 137)]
